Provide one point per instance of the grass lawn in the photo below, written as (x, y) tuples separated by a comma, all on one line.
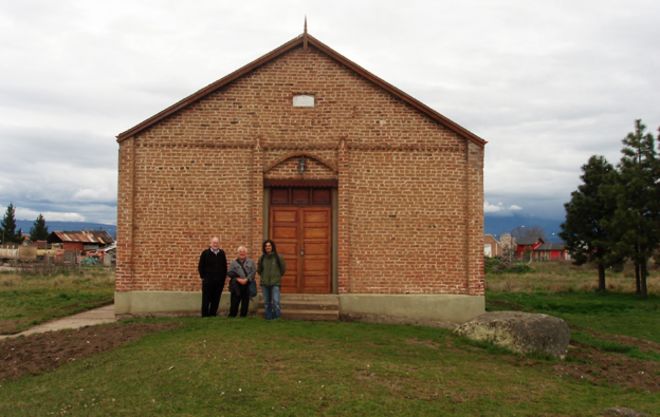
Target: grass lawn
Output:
[(567, 291), (222, 367), (29, 299)]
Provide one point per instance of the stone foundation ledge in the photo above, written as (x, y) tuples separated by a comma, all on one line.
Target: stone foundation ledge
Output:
[(443, 310), (166, 303)]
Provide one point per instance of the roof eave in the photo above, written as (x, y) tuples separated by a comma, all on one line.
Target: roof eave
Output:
[(181, 104), (397, 92), (304, 39)]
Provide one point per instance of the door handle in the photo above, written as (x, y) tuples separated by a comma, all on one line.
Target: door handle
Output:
[(302, 252)]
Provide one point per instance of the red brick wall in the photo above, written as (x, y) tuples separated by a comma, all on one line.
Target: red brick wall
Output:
[(410, 191)]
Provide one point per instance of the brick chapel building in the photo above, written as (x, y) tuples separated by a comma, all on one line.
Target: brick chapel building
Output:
[(370, 195)]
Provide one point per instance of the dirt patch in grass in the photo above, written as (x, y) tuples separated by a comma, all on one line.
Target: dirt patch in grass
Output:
[(590, 364), (641, 344), (39, 353), (421, 342), (9, 326)]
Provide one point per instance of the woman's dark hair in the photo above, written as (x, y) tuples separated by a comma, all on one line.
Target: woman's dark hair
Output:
[(274, 252), (272, 244)]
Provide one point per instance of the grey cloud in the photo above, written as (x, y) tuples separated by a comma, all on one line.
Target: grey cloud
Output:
[(31, 147), (547, 84)]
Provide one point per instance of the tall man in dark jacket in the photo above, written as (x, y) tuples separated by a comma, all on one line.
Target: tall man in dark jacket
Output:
[(213, 272)]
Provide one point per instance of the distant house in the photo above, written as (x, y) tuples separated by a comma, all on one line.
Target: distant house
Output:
[(491, 246), (524, 246), (539, 250), (551, 252), (81, 240)]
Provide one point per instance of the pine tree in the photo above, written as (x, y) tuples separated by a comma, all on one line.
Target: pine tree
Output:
[(8, 225), (585, 231), (637, 217), (39, 230)]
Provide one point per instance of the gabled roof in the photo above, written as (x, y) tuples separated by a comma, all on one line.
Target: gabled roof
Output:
[(304, 40), (552, 246), (100, 237)]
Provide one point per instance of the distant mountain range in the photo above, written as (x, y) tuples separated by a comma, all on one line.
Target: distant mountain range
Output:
[(497, 225), (494, 225), (26, 225)]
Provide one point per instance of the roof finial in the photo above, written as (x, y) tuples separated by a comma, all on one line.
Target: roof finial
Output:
[(305, 34)]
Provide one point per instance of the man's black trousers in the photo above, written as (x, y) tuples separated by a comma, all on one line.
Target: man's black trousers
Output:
[(242, 297), (211, 291)]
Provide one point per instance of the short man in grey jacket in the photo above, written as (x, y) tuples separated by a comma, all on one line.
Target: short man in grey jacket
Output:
[(242, 270)]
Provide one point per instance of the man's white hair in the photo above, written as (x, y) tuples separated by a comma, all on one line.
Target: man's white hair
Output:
[(241, 248)]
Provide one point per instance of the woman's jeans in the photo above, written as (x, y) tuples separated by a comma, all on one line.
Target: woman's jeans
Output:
[(271, 295)]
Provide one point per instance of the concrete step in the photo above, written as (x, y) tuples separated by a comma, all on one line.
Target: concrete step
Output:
[(311, 315), (319, 298), (307, 306)]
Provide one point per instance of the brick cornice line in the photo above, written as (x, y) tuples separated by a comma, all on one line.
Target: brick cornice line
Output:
[(301, 148), (404, 148), (222, 145)]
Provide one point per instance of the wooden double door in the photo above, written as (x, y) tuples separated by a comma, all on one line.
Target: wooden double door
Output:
[(300, 225)]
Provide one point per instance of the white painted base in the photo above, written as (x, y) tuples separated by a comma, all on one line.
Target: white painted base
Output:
[(432, 308), (141, 303), (411, 308)]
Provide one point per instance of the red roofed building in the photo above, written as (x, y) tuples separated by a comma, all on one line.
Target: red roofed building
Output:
[(81, 240), (539, 250)]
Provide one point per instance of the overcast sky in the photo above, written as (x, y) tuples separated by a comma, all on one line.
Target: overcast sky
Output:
[(546, 83)]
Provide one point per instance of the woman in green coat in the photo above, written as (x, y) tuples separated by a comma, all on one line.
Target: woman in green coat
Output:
[(271, 268)]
